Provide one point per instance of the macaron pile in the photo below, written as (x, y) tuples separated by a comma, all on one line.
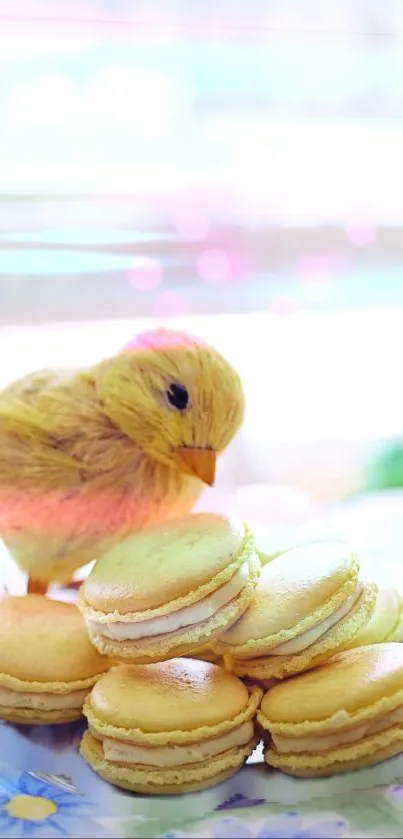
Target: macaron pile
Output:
[(189, 650)]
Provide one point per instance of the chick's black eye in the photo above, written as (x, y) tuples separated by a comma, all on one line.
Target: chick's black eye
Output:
[(178, 396)]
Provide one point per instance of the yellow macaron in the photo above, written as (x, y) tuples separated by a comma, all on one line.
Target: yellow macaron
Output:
[(170, 727), (344, 715), (47, 663), (307, 606), (397, 634), (384, 622), (269, 546), (170, 589), (206, 654)]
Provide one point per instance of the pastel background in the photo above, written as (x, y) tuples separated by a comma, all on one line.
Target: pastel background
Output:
[(234, 169)]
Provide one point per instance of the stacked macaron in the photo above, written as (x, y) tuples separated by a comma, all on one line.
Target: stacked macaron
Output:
[(308, 605), (47, 663), (171, 727), (170, 589), (397, 634), (385, 623), (344, 715), (160, 723)]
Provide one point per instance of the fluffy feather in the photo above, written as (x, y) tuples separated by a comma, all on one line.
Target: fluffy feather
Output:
[(88, 456)]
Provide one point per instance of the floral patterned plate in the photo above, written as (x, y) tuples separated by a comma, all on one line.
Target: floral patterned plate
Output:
[(48, 791)]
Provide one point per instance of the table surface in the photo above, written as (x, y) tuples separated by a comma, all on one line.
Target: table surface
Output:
[(46, 790)]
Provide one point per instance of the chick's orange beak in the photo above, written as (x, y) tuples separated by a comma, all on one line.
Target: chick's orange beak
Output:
[(198, 462)]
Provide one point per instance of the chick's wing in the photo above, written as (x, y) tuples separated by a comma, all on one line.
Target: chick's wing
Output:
[(30, 449)]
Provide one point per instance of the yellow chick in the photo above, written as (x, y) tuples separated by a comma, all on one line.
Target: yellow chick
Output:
[(89, 456)]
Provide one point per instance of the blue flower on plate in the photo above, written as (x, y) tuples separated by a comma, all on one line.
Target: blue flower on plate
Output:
[(290, 825), (30, 806)]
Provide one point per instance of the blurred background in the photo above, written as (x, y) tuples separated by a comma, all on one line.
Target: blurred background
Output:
[(233, 168)]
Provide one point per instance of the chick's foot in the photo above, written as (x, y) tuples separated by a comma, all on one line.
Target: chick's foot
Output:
[(36, 586)]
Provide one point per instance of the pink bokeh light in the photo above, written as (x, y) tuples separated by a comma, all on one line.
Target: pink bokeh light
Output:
[(221, 265), (169, 304), (213, 265), (361, 235), (145, 273)]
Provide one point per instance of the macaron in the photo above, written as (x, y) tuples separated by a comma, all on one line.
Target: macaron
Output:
[(345, 715), (47, 662), (170, 727), (270, 545), (384, 622), (397, 634), (307, 606), (170, 589), (206, 654)]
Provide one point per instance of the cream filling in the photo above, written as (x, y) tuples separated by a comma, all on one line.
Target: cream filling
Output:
[(166, 624), (323, 742), (302, 642), (165, 756), (42, 701)]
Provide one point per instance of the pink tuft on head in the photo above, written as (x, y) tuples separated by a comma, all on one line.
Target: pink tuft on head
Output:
[(161, 339)]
